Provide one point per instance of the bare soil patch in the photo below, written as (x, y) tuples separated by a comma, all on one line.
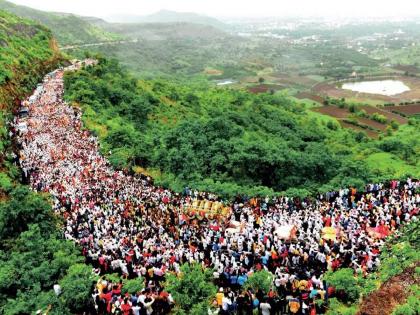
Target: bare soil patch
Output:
[(410, 110), (391, 293), (333, 111), (310, 96), (370, 133), (263, 88), (372, 123), (370, 110)]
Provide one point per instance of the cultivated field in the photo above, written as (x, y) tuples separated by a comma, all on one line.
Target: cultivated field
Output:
[(409, 110), (370, 110), (366, 124)]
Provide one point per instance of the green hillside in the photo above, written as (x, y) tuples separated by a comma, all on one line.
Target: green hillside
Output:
[(67, 28), (226, 140), (26, 49)]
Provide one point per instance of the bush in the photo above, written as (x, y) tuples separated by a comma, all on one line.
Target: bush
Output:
[(332, 125), (379, 118), (76, 286), (132, 286), (260, 280), (404, 309), (5, 182), (192, 289), (345, 283)]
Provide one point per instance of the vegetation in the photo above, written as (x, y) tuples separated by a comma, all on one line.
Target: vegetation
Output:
[(192, 290), (67, 28), (217, 139), (226, 141), (260, 280)]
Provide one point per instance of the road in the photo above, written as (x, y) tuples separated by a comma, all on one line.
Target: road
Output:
[(99, 44)]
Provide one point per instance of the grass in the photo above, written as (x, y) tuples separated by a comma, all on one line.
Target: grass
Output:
[(387, 163)]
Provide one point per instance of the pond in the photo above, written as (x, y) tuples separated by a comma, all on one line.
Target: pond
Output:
[(383, 87), (224, 82)]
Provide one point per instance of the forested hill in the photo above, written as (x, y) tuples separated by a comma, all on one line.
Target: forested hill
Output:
[(67, 28), (27, 51), (225, 141)]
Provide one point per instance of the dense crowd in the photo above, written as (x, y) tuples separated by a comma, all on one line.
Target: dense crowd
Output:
[(127, 225)]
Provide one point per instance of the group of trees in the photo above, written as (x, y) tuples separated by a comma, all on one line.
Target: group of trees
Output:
[(208, 138)]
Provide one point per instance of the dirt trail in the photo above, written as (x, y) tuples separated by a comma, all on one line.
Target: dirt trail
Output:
[(391, 293)]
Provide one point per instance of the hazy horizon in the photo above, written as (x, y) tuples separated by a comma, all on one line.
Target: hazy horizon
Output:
[(233, 8)]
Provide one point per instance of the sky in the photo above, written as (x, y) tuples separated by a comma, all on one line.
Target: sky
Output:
[(234, 8)]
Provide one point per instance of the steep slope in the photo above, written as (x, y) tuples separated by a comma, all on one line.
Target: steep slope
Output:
[(67, 28), (27, 51)]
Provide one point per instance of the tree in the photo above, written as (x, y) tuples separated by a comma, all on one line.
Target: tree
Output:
[(260, 280), (192, 289), (22, 209), (77, 286), (132, 286), (345, 283)]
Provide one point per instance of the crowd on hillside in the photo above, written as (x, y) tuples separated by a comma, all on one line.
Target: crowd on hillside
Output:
[(127, 225)]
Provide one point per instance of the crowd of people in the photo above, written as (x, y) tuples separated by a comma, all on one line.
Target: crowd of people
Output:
[(127, 225)]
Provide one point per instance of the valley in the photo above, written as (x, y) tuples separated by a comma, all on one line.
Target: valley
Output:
[(158, 162)]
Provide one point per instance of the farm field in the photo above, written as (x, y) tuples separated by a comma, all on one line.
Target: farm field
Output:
[(410, 110), (370, 133), (333, 111), (263, 88), (371, 123), (310, 96), (370, 110), (366, 124)]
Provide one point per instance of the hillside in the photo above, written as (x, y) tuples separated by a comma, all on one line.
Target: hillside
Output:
[(167, 16), (27, 50), (67, 28), (229, 141), (392, 289), (164, 31)]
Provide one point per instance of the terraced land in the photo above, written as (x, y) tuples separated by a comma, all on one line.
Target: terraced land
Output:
[(366, 124), (409, 110)]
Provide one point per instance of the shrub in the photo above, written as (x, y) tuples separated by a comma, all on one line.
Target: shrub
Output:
[(379, 118), (192, 289), (345, 283), (5, 182), (132, 286), (260, 280)]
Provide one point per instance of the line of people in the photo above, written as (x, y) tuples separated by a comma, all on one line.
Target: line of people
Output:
[(126, 224)]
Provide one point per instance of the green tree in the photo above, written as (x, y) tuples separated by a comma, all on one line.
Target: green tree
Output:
[(77, 287), (192, 289), (260, 280), (345, 283)]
